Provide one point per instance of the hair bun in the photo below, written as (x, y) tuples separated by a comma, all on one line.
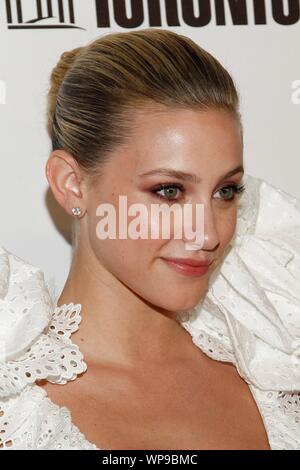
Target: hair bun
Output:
[(65, 62)]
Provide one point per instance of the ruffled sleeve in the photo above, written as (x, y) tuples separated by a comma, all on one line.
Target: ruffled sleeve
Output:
[(250, 314), (35, 334)]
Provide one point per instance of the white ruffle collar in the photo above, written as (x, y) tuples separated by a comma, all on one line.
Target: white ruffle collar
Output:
[(250, 315), (35, 334)]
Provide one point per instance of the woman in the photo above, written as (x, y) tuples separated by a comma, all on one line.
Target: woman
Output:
[(167, 356)]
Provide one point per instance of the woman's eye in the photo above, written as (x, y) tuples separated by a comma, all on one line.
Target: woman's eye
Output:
[(171, 192), (168, 192), (228, 193)]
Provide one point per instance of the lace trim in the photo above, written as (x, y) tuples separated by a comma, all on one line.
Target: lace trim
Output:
[(280, 410), (52, 356), (32, 421)]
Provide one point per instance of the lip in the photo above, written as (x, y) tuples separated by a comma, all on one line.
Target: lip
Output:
[(188, 266), (189, 261)]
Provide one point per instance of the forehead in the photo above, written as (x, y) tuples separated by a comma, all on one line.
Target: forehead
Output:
[(184, 139)]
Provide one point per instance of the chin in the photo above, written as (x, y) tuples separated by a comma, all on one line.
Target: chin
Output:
[(184, 304)]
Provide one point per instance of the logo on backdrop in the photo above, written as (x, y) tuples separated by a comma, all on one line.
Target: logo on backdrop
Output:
[(37, 14), (129, 14)]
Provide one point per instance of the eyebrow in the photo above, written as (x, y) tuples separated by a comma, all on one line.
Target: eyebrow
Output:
[(191, 177)]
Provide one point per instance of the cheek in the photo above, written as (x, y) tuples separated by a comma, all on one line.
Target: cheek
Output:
[(137, 265), (125, 259), (123, 253)]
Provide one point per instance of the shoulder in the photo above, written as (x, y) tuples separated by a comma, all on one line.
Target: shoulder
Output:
[(34, 333), (25, 304), (35, 344)]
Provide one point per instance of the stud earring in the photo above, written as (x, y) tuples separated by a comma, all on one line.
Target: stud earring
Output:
[(76, 211)]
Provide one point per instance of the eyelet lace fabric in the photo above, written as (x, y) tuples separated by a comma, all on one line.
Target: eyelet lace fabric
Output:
[(52, 356), (249, 316), (35, 344)]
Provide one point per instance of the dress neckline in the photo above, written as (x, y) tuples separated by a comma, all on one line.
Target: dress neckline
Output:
[(66, 320)]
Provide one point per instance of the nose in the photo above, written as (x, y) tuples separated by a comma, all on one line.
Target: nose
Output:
[(209, 237)]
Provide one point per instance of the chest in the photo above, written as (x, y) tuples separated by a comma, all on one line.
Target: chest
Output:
[(180, 407)]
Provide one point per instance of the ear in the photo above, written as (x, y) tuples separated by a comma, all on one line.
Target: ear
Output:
[(66, 180)]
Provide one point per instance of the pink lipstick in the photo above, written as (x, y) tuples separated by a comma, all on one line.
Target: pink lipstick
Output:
[(188, 266)]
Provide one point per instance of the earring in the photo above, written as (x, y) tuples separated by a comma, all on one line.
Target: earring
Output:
[(76, 211)]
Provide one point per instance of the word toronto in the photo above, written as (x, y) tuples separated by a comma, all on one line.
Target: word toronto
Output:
[(32, 14), (196, 14)]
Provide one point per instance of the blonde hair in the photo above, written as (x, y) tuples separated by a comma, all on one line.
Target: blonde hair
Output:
[(97, 90)]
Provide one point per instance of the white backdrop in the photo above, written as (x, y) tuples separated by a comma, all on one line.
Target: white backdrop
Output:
[(264, 60)]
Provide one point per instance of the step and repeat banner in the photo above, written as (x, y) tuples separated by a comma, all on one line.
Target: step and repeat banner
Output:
[(258, 41)]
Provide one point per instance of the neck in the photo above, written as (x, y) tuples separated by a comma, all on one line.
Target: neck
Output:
[(118, 327)]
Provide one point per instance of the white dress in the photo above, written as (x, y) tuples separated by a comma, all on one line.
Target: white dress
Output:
[(249, 316)]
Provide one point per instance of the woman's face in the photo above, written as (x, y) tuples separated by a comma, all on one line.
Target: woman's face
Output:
[(207, 145)]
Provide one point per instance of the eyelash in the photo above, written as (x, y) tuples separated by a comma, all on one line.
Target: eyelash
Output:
[(237, 189)]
